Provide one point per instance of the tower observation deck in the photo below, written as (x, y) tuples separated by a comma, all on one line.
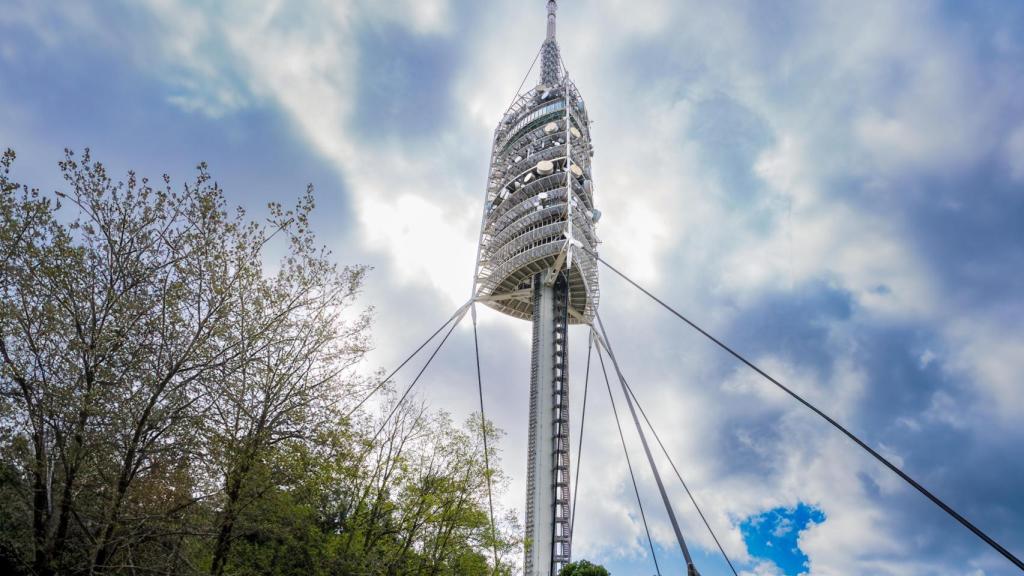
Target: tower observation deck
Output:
[(536, 262), (539, 200)]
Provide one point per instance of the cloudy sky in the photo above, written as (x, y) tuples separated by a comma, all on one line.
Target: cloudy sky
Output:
[(836, 188)]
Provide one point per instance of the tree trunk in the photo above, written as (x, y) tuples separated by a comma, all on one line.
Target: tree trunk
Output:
[(40, 506), (64, 518), (222, 548)]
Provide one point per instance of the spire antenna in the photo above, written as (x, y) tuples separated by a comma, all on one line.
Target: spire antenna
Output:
[(550, 64), (552, 9)]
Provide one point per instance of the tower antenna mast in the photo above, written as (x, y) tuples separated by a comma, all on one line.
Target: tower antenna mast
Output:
[(536, 262)]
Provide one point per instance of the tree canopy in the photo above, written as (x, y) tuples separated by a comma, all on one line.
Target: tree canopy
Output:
[(177, 383), (583, 568)]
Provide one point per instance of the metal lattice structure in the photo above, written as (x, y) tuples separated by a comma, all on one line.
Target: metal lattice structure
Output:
[(539, 200), (536, 262)]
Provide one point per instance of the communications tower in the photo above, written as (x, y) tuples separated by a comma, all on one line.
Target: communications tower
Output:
[(536, 262)]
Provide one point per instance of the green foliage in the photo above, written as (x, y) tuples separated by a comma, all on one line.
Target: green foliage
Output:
[(170, 405), (583, 568)]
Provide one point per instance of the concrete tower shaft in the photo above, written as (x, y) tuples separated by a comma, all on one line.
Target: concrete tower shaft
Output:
[(548, 500)]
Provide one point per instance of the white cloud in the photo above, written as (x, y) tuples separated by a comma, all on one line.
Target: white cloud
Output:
[(8, 52), (399, 227), (308, 68), (926, 358), (422, 16), (762, 569), (989, 358), (1015, 154)]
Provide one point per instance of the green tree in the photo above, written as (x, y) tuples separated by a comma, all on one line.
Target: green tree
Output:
[(297, 340), (172, 402), (110, 318), (583, 568)]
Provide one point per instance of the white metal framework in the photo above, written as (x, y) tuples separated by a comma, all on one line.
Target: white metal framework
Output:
[(536, 262), (539, 202)]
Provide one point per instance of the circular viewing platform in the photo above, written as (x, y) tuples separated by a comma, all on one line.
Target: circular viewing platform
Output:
[(539, 195)]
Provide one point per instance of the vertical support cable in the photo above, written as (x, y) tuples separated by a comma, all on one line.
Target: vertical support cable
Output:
[(583, 421), (568, 176), (483, 432), (629, 464), (690, 568), (650, 458), (387, 379), (681, 481), (459, 317)]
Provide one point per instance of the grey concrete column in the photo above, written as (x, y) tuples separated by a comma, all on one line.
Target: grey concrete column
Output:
[(540, 496)]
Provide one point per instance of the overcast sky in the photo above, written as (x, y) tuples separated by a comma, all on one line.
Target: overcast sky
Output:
[(836, 188)]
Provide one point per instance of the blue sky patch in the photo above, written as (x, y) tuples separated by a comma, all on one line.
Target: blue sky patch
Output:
[(773, 535)]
